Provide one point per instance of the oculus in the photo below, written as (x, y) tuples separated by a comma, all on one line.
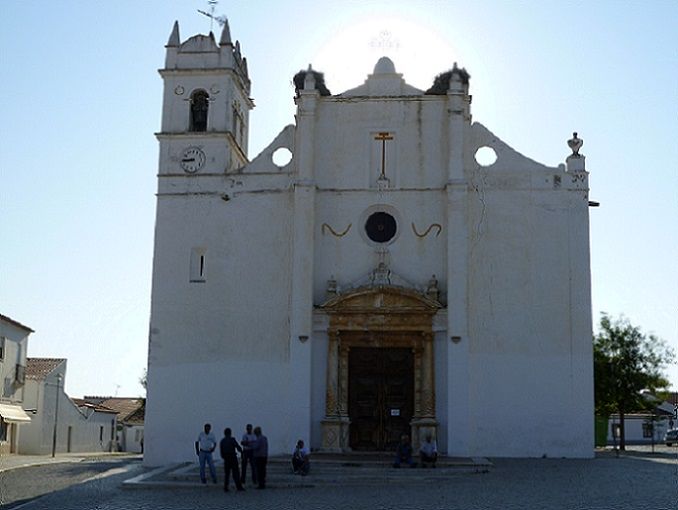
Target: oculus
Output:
[(380, 227)]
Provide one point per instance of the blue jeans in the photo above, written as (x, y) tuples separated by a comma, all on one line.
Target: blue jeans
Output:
[(207, 457)]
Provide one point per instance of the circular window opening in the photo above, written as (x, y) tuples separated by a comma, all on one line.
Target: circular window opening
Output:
[(380, 227), (486, 156), (281, 157)]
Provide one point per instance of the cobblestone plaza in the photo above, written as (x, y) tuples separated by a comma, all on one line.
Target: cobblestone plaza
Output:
[(637, 480)]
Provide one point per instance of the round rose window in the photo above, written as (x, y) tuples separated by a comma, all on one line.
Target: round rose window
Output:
[(380, 227)]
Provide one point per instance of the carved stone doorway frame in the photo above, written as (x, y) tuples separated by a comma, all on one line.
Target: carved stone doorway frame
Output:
[(379, 316)]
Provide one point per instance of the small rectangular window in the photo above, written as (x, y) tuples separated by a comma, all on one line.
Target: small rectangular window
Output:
[(101, 434), (198, 264), (2, 347), (647, 429), (3, 430)]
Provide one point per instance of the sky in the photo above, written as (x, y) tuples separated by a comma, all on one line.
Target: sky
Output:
[(82, 99)]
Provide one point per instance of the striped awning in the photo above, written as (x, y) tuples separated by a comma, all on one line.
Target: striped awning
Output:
[(13, 413)]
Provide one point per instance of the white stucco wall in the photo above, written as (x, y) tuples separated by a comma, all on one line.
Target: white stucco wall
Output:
[(219, 347), (633, 429), (131, 438), (525, 348), (85, 426), (14, 347), (508, 244), (14, 353)]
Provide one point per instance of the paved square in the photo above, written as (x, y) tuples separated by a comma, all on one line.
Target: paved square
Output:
[(636, 481)]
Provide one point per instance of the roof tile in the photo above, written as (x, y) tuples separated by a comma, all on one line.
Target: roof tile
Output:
[(40, 368)]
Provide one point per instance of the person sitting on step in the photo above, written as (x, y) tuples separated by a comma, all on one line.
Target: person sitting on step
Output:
[(404, 452), (301, 462), (428, 453)]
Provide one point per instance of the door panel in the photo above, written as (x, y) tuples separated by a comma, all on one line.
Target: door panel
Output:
[(381, 396)]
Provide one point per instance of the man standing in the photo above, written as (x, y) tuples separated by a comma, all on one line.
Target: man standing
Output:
[(260, 452), (204, 447), (228, 447), (247, 442)]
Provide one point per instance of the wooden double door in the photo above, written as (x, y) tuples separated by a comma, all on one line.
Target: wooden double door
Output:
[(380, 396)]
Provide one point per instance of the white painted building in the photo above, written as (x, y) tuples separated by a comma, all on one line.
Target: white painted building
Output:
[(80, 426), (639, 428), (130, 420), (13, 347), (381, 282)]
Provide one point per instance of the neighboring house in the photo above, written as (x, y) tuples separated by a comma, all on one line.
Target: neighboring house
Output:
[(130, 429), (13, 347), (638, 428), (643, 427), (80, 426)]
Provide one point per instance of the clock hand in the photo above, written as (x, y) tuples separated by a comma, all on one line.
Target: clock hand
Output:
[(187, 160)]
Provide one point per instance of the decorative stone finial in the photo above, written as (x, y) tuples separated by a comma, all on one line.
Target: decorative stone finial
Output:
[(576, 162), (331, 291), (384, 66), (225, 39), (432, 291), (381, 275), (575, 144), (238, 57), (455, 80), (309, 79), (302, 77), (460, 74), (174, 39)]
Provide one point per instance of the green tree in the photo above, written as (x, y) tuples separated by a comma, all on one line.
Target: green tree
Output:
[(626, 361)]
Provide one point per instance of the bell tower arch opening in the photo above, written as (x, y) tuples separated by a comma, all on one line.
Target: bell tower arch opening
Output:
[(199, 109)]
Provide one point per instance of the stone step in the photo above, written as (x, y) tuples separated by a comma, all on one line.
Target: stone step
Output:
[(346, 471)]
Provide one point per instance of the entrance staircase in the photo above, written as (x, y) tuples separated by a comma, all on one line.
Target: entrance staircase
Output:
[(336, 469)]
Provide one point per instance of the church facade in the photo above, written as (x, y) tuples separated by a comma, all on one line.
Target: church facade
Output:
[(384, 281)]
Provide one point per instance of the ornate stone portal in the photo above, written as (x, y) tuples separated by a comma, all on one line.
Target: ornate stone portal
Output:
[(378, 316)]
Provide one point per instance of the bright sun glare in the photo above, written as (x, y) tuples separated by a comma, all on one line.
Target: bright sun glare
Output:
[(350, 54)]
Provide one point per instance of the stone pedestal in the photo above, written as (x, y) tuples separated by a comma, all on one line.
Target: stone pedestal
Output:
[(335, 434), (421, 427), (576, 163)]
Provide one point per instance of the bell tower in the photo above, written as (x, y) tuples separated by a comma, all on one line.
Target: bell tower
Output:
[(206, 104)]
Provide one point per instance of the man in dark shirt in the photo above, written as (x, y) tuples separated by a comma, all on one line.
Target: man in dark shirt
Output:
[(260, 448), (228, 447), (404, 452)]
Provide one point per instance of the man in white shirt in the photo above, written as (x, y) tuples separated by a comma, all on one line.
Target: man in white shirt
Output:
[(204, 447), (428, 453), (300, 459), (247, 442)]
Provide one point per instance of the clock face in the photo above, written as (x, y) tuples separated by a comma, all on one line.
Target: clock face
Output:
[(192, 159)]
